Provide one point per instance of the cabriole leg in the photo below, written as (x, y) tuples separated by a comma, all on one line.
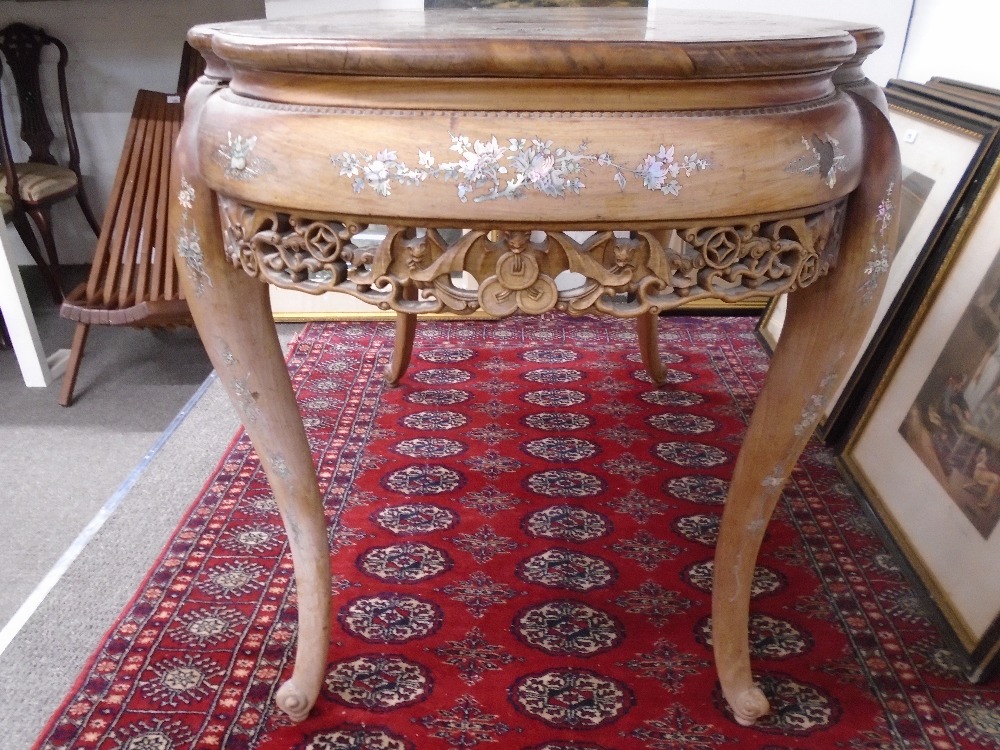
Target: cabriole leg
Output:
[(824, 328), (402, 349), (233, 316), (649, 346)]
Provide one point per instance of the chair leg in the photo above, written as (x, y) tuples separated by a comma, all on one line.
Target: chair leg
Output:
[(27, 236), (4, 336), (73, 364), (81, 198), (42, 216)]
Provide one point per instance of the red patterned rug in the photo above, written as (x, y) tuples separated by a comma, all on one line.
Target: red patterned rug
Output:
[(522, 543)]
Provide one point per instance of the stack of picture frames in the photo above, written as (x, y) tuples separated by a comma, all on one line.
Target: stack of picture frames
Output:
[(916, 424)]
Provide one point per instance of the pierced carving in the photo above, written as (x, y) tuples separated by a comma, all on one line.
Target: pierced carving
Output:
[(516, 270), (286, 250)]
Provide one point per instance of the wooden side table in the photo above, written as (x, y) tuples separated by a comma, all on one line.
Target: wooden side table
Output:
[(714, 156)]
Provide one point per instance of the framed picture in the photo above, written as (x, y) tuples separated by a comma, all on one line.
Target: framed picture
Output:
[(981, 94), (926, 452), (941, 147)]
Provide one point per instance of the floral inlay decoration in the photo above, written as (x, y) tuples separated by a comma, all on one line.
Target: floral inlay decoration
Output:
[(490, 170), (189, 241), (236, 155), (878, 265), (823, 157)]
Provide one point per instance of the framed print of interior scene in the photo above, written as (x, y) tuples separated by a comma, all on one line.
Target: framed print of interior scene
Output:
[(926, 453)]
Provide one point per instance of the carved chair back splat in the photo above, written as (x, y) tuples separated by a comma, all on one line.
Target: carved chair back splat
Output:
[(41, 181)]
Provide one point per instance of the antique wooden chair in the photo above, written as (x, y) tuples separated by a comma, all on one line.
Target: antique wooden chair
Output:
[(11, 206), (35, 185)]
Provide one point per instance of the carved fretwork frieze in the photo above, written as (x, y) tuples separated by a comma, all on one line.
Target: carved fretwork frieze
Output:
[(623, 273)]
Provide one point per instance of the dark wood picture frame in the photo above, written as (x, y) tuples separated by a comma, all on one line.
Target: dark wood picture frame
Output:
[(914, 452)]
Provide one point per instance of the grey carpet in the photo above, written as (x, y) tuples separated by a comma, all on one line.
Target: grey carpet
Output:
[(39, 666), (59, 466)]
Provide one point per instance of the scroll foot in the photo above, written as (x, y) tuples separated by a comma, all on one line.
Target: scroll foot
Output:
[(748, 706), (294, 702)]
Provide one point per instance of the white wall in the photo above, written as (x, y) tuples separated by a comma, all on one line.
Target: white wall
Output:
[(290, 8), (892, 16), (953, 39), (116, 47)]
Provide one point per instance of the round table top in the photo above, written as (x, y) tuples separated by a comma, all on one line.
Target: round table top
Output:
[(575, 43)]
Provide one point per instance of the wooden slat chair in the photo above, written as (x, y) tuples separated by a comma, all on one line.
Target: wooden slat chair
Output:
[(133, 279)]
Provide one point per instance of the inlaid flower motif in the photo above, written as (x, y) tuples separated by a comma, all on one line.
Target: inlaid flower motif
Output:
[(823, 157), (814, 407), (189, 241), (237, 157), (491, 169), (878, 262), (186, 195), (884, 214), (189, 248), (876, 266)]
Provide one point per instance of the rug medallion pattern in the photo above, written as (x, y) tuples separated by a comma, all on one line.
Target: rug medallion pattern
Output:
[(521, 538)]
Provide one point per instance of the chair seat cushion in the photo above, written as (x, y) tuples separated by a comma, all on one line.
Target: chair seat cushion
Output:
[(38, 183)]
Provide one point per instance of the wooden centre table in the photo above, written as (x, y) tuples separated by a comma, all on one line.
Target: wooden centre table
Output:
[(708, 155)]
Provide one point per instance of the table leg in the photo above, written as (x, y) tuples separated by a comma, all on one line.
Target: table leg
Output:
[(824, 328), (647, 328), (402, 349), (233, 316)]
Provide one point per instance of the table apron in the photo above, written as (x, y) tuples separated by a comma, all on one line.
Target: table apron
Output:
[(464, 169)]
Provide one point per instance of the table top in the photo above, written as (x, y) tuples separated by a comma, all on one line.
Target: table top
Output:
[(535, 43)]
